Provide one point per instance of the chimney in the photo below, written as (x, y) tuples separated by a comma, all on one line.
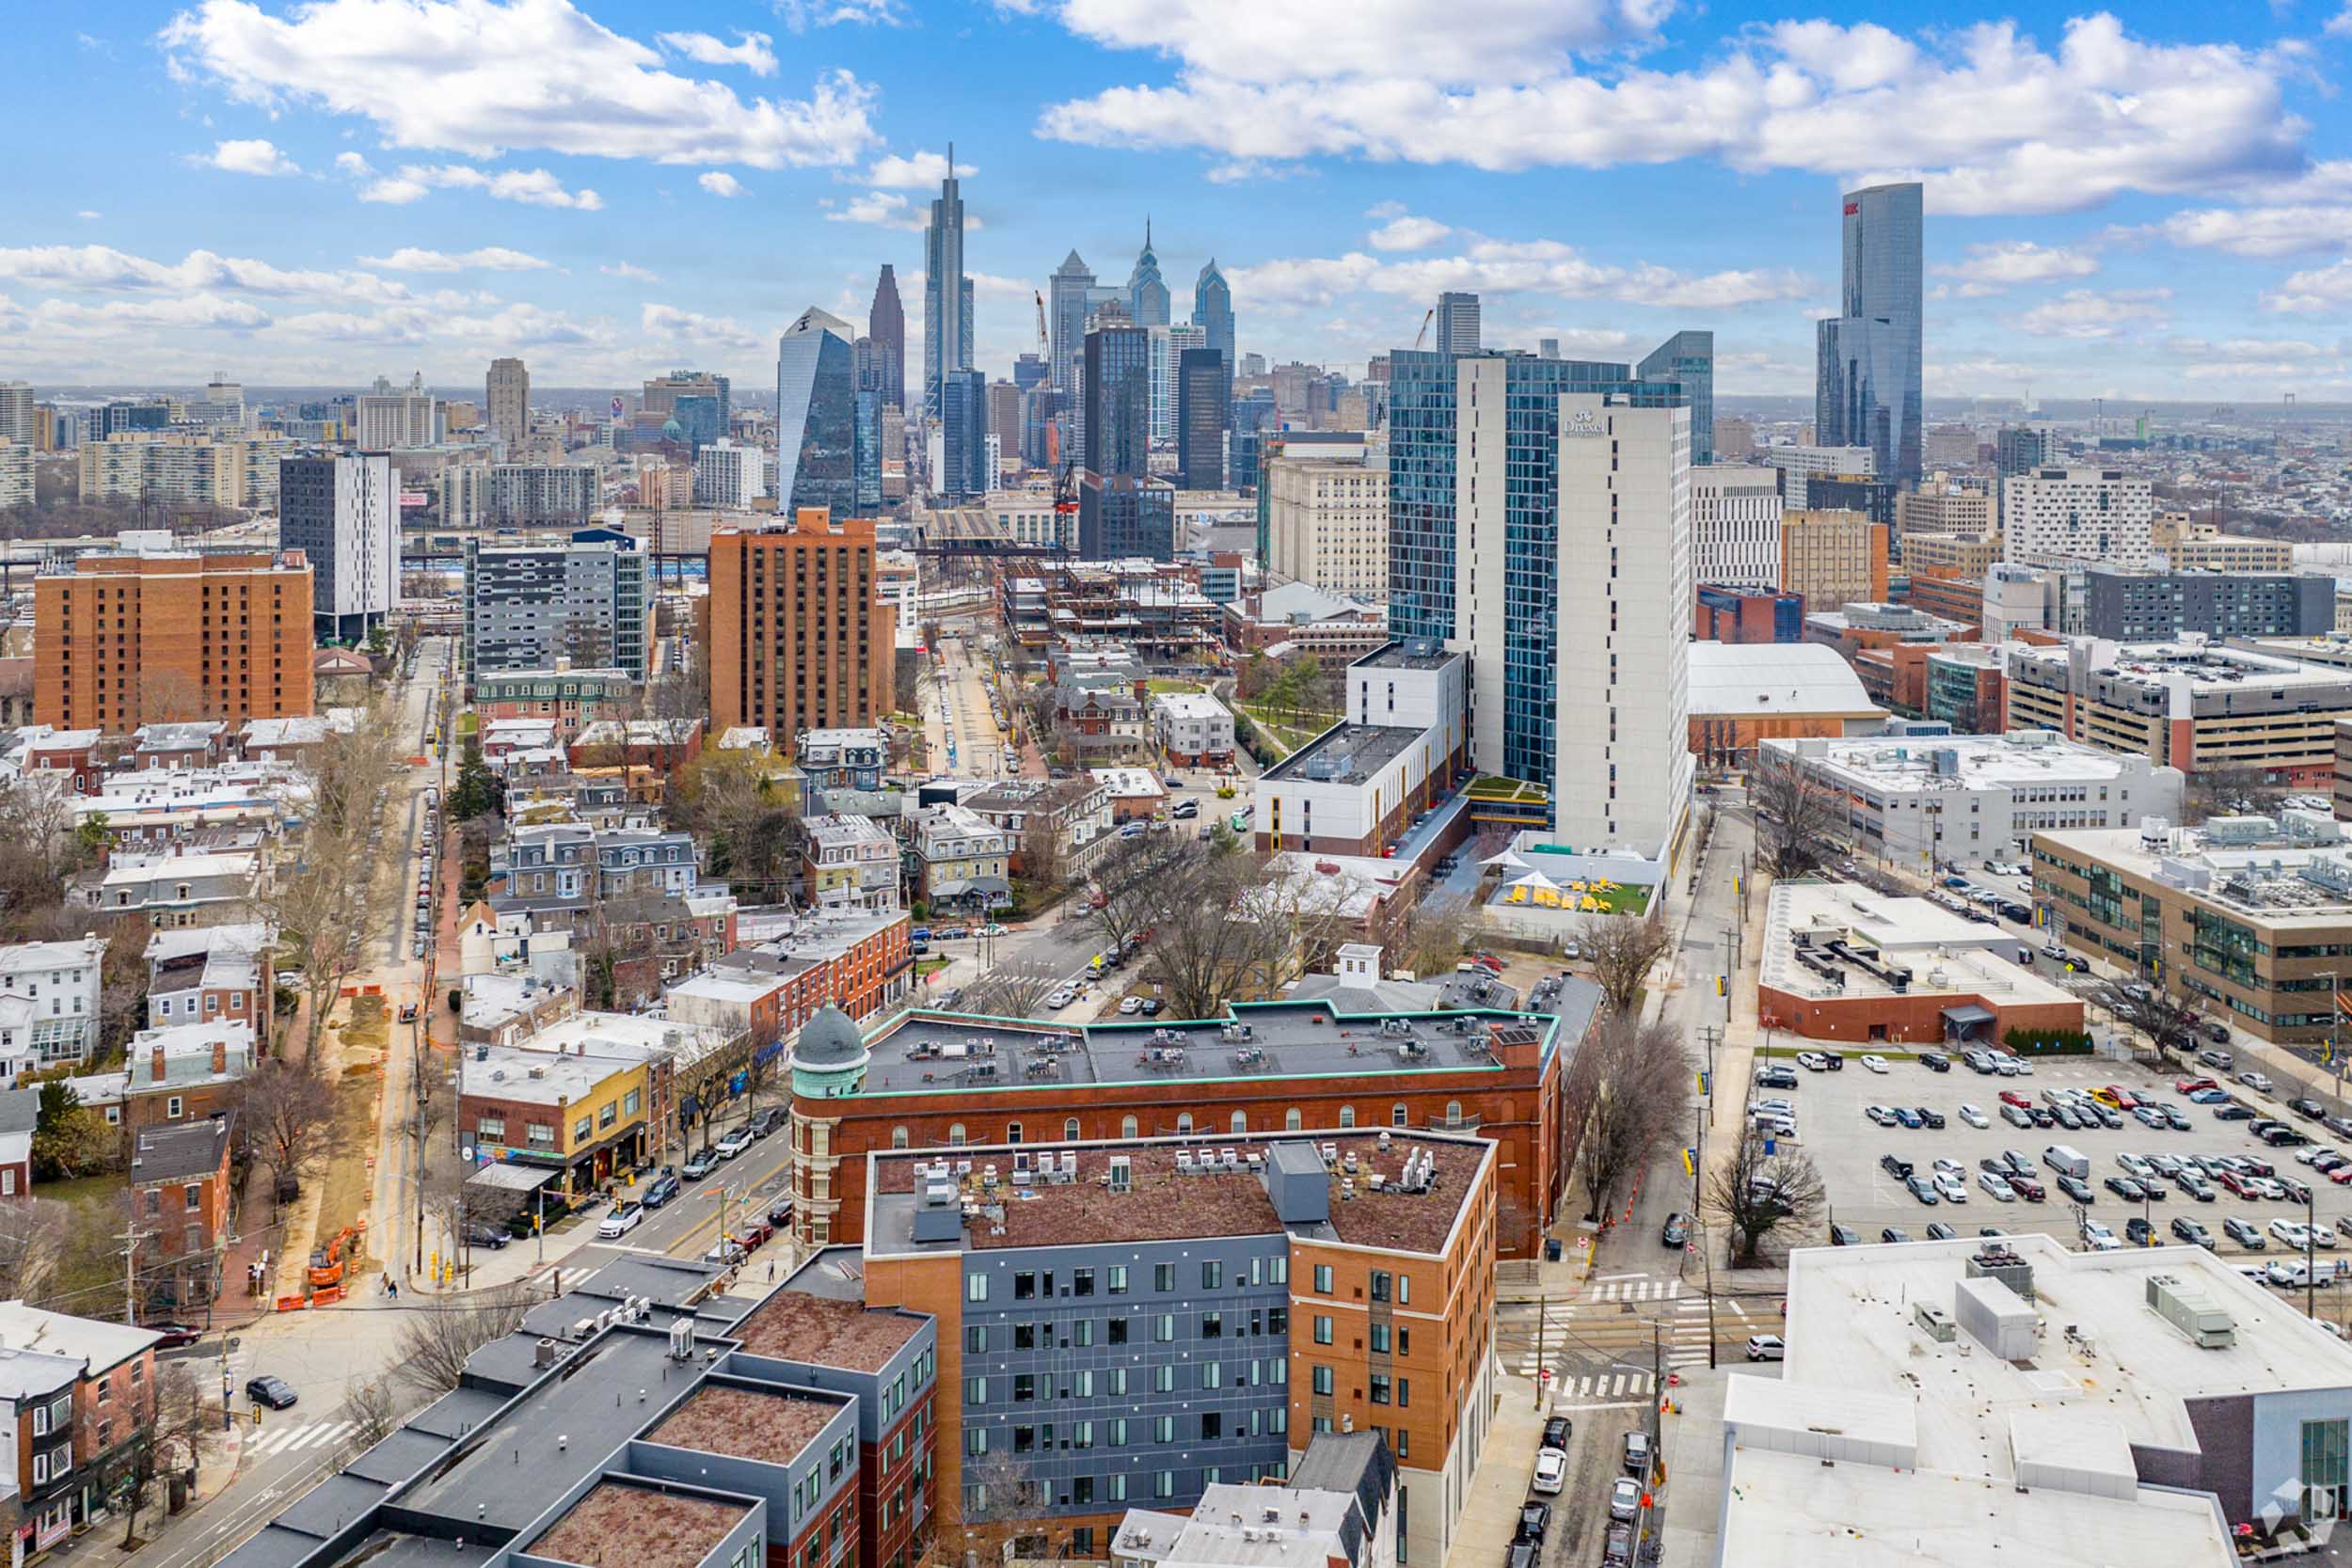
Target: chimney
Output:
[(155, 1064), (220, 1057)]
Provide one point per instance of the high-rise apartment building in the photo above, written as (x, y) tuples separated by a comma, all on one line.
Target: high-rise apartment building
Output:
[(1735, 440), (886, 328), (343, 515), (1734, 525), (2021, 449), (532, 607), (1004, 416), (729, 475), (1122, 510), (817, 416), (200, 469), (947, 294), (1946, 507), (1688, 359), (150, 633), (962, 439), (15, 474), (1540, 521), (1832, 559), (1800, 465), (506, 399), (1457, 323), (524, 495), (2102, 515), (1326, 502), (16, 412), (391, 417), (1147, 291), (798, 639), (1168, 345), (1204, 400), (1867, 378), (1213, 311)]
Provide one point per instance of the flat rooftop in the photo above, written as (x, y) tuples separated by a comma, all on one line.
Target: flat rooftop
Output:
[(771, 1425), (1851, 1328), (1911, 764), (2244, 865), (959, 1053), (1773, 678), (1166, 1203), (827, 1331), (1405, 654), (2190, 663), (1947, 954), (621, 1525), (1346, 754)]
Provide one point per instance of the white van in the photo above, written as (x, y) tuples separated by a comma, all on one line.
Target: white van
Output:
[(2066, 1162)]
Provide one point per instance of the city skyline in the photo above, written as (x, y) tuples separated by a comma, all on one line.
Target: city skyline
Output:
[(703, 183)]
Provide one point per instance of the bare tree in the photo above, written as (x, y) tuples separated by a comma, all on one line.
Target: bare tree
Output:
[(999, 1503), (1016, 990), (1132, 877), (1209, 946), (1755, 1193), (173, 697), (1638, 1106), (1622, 950), (33, 1237), (172, 1423), (373, 1409), (1799, 816), (1042, 858), (38, 823), (287, 1113), (2229, 789), (2169, 1022), (1441, 928), (432, 1345)]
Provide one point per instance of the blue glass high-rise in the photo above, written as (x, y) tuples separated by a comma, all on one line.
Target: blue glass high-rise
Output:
[(1688, 359), (817, 416), (1866, 387), (1213, 311)]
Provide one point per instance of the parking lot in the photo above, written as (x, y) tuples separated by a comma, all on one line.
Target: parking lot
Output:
[(1847, 1146)]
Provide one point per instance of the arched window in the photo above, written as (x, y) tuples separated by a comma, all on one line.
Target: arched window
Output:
[(1012, 1131), (1069, 1128), (1183, 1122), (1126, 1127), (1347, 1116), (1292, 1120), (1241, 1122), (955, 1134), (1453, 1112), (1398, 1115), (897, 1137)]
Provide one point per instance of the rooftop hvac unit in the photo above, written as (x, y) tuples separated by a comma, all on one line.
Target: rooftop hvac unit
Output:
[(682, 1339), (1183, 1162)]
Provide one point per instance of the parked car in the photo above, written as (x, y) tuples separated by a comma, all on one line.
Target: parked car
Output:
[(175, 1336), (734, 1141), (1766, 1347), (2186, 1229), (1876, 1064), (2244, 1234), (766, 1121), (1616, 1547), (1636, 1459), (1974, 1116), (1998, 1187), (625, 1218), (1934, 1062), (1933, 1120), (1844, 1235), (1625, 1498), (1676, 1231), (1534, 1519), (1882, 1115), (1551, 1466), (1894, 1233), (1556, 1433), (2259, 1083), (2075, 1188), (1939, 1231), (699, 1166)]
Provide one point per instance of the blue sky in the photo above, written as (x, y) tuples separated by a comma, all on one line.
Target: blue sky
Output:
[(2155, 204)]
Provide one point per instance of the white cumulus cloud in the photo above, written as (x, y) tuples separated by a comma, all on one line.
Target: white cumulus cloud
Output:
[(534, 187), (750, 50), (487, 259), (2008, 263), (254, 155), (1538, 267), (2087, 313), (720, 182), (923, 171), (460, 75), (629, 269), (1405, 231)]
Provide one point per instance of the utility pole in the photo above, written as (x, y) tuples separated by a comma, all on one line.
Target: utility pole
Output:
[(132, 1236)]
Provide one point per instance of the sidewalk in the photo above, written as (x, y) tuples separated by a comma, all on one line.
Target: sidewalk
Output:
[(1490, 1514)]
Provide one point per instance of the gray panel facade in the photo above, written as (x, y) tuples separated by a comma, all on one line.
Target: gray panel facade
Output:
[(1198, 1372), (2159, 606)]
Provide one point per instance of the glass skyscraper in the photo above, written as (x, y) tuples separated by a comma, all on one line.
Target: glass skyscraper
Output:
[(1213, 311), (817, 416), (962, 435), (1688, 359), (1424, 451), (1147, 291), (1867, 378), (946, 292), (1122, 510)]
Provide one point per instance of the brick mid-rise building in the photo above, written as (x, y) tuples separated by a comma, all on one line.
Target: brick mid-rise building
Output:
[(151, 632), (798, 638)]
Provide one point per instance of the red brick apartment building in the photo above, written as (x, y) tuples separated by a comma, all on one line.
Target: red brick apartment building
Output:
[(797, 637)]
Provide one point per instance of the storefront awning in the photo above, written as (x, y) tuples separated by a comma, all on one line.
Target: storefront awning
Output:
[(1968, 1015), (505, 1178)]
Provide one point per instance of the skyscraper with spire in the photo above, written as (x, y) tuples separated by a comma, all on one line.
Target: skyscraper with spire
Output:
[(886, 328), (1147, 293), (946, 292), (1213, 311)]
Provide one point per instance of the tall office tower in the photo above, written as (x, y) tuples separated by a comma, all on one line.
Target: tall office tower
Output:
[(2094, 516), (817, 416), (1066, 314), (343, 514), (1547, 348), (1029, 371), (1734, 525), (1213, 311), (148, 632), (872, 413), (1800, 465), (389, 415), (1147, 291), (2021, 449), (1867, 380), (729, 475), (1043, 411), (16, 411), (1123, 511), (1501, 546), (1735, 440), (886, 325), (798, 638), (696, 419), (1205, 406), (582, 603), (946, 345), (15, 474), (506, 396), (963, 435), (1457, 323), (1168, 345), (1004, 417), (1688, 358)]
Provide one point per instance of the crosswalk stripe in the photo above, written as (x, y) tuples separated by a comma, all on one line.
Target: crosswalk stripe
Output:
[(286, 1439)]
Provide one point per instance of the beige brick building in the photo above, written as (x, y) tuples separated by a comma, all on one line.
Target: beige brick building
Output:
[(1832, 559)]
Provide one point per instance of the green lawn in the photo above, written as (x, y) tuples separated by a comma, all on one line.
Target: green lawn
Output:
[(1287, 731), (1155, 686), (1493, 788)]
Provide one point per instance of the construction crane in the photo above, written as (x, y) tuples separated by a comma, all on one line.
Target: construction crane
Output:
[(1426, 320), (1053, 430)]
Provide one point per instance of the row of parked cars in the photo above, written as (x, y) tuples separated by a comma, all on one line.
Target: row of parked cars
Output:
[(1626, 1491)]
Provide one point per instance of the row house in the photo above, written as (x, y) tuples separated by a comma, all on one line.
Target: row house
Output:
[(178, 746), (1099, 719), (184, 1073), (667, 744), (174, 889), (212, 974), (180, 1198), (849, 861), (1077, 812), (956, 859), (569, 700), (854, 758), (80, 757), (78, 1402)]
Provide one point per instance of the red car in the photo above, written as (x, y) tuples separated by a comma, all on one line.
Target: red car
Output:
[(2341, 1176), (2010, 1097), (2190, 1086)]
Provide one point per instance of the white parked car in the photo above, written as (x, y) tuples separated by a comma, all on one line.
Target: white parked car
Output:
[(1766, 1347), (1975, 1116), (2134, 1165), (1551, 1471), (1950, 1167), (2259, 1083), (733, 1142), (2098, 1238), (1876, 1064), (1060, 999), (1949, 1188), (2293, 1233)]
